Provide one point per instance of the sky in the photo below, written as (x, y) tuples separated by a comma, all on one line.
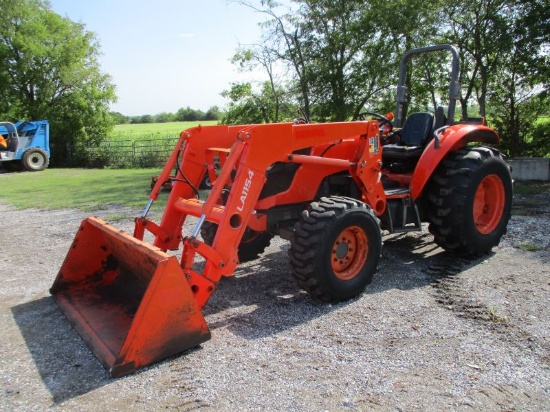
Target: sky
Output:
[(166, 54)]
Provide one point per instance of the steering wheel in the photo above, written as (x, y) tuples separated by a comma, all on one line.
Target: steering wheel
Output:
[(381, 119)]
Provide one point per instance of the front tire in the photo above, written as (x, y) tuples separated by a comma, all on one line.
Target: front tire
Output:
[(335, 249), (471, 197), (35, 160)]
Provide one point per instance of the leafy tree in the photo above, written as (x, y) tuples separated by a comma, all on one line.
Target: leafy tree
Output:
[(503, 46), (164, 117), (244, 106), (480, 28), (334, 38), (263, 56), (282, 42), (213, 113), (189, 115), (342, 55), (523, 86), (321, 43), (402, 25), (49, 70), (146, 118), (540, 139), (119, 118), (514, 115)]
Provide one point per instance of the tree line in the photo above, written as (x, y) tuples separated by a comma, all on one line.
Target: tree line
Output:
[(330, 60), (186, 114), (322, 60)]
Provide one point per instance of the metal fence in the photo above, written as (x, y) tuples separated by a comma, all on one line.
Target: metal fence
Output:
[(129, 153)]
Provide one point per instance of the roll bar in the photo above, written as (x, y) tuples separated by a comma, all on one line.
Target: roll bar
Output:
[(454, 87)]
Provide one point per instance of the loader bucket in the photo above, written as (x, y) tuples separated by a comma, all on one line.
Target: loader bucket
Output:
[(128, 300)]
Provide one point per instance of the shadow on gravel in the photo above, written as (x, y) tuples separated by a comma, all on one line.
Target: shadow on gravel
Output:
[(261, 300), (65, 364), (276, 303), (414, 261), (266, 287)]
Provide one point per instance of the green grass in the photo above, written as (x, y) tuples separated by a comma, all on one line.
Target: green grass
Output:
[(155, 129), (493, 316), (84, 189), (527, 247)]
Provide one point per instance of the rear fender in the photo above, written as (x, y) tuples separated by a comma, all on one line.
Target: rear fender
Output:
[(450, 139)]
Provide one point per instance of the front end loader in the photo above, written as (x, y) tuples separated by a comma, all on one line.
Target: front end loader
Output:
[(327, 188), (134, 304)]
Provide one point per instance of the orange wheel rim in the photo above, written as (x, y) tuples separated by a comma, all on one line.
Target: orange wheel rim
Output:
[(489, 204), (349, 253)]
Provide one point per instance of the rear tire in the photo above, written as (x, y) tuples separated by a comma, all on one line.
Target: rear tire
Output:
[(471, 197), (335, 249), (252, 244), (206, 184), (35, 160)]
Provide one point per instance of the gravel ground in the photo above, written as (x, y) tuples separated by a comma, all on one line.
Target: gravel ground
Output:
[(431, 333)]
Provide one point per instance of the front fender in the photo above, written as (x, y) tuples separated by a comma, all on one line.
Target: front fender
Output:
[(452, 138)]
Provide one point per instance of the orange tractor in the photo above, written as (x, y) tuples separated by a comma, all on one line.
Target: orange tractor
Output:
[(328, 188)]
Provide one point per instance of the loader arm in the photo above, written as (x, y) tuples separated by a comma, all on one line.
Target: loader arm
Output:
[(253, 149)]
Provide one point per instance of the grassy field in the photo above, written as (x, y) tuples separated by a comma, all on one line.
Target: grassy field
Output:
[(155, 129), (84, 189), (96, 189)]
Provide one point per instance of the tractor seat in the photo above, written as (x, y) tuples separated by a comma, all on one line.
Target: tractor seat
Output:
[(415, 134)]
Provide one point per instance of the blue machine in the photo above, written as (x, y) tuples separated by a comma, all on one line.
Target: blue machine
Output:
[(28, 144)]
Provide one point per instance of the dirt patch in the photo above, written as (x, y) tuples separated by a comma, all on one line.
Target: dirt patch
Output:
[(432, 332)]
